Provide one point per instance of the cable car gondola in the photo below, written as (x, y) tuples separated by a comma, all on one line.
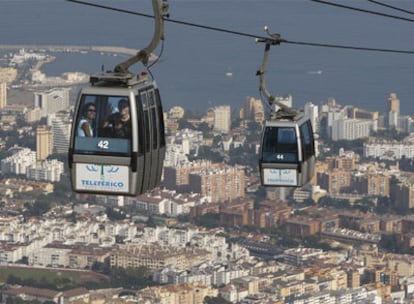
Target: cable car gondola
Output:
[(117, 143), (287, 154)]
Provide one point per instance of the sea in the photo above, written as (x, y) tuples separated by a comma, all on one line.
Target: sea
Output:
[(200, 68)]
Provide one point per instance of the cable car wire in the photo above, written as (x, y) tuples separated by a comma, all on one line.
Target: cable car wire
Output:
[(363, 10), (391, 7), (148, 67), (312, 44)]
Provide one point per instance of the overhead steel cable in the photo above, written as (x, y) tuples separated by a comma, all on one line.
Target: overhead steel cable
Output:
[(313, 44), (363, 10), (391, 7), (347, 47), (169, 19)]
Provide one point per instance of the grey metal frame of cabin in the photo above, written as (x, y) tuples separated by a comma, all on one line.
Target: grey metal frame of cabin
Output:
[(146, 150), (288, 173)]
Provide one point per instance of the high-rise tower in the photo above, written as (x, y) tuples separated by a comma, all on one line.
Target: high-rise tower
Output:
[(44, 142), (3, 95), (393, 110), (222, 118)]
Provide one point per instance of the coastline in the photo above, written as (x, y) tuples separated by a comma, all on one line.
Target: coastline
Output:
[(43, 56), (71, 48)]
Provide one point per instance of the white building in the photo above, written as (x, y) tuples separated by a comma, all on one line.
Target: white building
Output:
[(351, 129), (210, 274), (222, 119), (181, 144), (389, 149), (51, 257), (334, 112), (52, 101), (176, 112), (48, 170), (311, 111), (299, 256), (10, 253), (19, 162), (49, 102), (175, 155), (61, 128), (3, 95), (166, 202)]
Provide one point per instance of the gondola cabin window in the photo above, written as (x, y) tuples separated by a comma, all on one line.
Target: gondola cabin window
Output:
[(280, 145), (103, 125), (306, 133)]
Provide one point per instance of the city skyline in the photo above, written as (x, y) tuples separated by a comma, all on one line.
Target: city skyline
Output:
[(211, 232)]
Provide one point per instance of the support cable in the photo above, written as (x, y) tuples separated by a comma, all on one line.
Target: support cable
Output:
[(363, 10), (238, 33)]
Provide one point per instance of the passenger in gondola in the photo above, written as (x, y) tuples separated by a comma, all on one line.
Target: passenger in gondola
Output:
[(118, 125), (122, 123), (85, 126)]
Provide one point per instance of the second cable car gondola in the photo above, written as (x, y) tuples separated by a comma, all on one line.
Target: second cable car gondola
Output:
[(287, 154), (117, 143)]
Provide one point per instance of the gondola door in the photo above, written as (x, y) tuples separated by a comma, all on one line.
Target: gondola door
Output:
[(148, 137), (158, 141), (161, 135)]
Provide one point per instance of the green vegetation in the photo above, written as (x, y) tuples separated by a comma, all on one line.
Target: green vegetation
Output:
[(394, 243), (39, 207), (209, 220), (57, 280), (215, 300), (390, 134), (114, 214), (133, 278)]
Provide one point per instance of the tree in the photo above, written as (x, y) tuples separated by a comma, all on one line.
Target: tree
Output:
[(216, 300), (133, 278), (206, 153), (364, 204), (327, 201), (63, 187), (39, 207), (209, 220), (100, 267), (390, 242), (384, 205), (390, 134), (115, 215)]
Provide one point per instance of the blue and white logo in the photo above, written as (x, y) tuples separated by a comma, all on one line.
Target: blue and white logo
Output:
[(104, 168), (102, 177)]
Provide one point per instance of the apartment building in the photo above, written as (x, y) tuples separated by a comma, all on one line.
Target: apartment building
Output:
[(3, 95), (155, 257), (177, 294), (222, 119), (334, 181), (224, 183), (253, 110), (381, 148), (44, 142), (403, 195), (351, 129), (178, 176), (373, 184)]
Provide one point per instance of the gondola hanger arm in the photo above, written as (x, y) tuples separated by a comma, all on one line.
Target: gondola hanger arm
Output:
[(160, 8), (274, 39)]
